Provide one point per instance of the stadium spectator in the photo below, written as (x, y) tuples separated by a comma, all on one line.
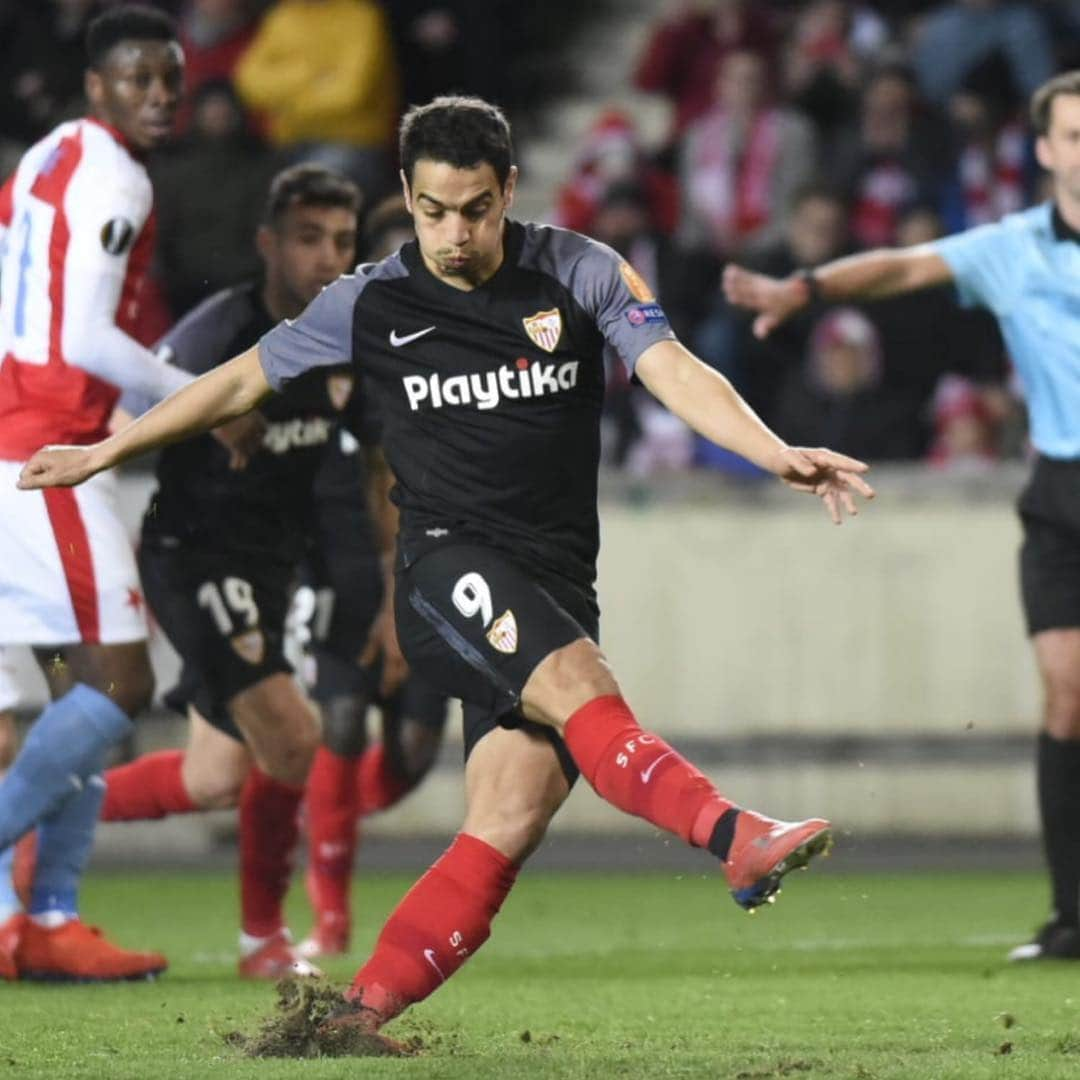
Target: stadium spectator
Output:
[(740, 163), (991, 151), (68, 585), (816, 232), (323, 74), (896, 156), (42, 58), (1022, 270), (837, 397), (499, 526), (210, 192), (611, 154), (214, 34), (958, 37), (688, 48), (966, 418)]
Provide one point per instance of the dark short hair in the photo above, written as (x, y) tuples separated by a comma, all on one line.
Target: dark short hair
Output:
[(386, 216), (817, 191), (308, 185), (461, 131), (128, 22), (1042, 101)]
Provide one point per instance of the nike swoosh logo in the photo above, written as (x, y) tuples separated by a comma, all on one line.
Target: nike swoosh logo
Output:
[(646, 774), (398, 340), (429, 956)]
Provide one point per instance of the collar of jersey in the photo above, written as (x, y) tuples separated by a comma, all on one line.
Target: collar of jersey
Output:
[(513, 240), (1062, 229), (116, 134)]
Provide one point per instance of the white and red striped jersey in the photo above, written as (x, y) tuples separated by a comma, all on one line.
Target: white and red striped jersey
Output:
[(77, 232)]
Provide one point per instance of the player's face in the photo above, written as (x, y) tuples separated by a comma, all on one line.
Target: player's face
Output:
[(138, 89), (311, 247), (459, 216), (1059, 149)]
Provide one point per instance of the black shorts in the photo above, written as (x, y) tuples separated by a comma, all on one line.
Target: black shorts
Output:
[(474, 624), (1050, 555), (224, 614), (343, 571)]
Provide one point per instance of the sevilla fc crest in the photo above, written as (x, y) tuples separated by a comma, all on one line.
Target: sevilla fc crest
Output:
[(339, 388), (545, 329), (503, 634), (250, 646)]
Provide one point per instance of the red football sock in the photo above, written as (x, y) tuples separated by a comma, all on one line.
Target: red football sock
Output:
[(268, 835), (378, 783), (441, 921), (331, 829), (151, 786), (638, 772)]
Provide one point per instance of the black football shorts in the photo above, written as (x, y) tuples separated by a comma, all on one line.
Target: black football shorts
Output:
[(224, 614), (1050, 555), (473, 624), (343, 571)]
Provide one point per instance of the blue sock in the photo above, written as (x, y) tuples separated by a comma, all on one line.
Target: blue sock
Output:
[(66, 744), (9, 902), (65, 839)]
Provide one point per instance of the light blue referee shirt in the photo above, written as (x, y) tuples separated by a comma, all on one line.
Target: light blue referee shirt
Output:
[(1026, 270)]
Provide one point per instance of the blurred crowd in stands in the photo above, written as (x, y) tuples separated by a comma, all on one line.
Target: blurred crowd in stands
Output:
[(800, 130)]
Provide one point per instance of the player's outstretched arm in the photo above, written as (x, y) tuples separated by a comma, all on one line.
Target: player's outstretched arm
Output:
[(872, 274), (226, 392), (711, 406)]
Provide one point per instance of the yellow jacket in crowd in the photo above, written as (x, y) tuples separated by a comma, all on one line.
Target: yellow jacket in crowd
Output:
[(323, 71)]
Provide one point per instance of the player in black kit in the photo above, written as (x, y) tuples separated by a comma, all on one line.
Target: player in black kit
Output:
[(483, 345), (218, 558)]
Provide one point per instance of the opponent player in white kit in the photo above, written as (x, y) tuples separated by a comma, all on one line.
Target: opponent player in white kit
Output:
[(76, 235)]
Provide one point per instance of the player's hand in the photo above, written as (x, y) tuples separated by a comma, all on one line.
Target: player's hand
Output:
[(382, 643), (776, 299), (242, 437), (835, 478), (59, 466)]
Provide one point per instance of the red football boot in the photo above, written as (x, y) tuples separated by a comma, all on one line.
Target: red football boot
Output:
[(353, 1029), (11, 931), (277, 958), (75, 952), (763, 851)]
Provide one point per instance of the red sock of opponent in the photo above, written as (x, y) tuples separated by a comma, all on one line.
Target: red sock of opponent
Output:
[(378, 783), (151, 786), (331, 829), (268, 835), (441, 921), (638, 772)]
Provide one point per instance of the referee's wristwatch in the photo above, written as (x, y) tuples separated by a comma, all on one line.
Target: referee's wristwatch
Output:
[(811, 287)]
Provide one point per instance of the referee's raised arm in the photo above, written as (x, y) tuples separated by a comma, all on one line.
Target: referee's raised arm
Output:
[(867, 276), (228, 391)]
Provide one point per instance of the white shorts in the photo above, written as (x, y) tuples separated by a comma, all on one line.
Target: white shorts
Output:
[(67, 571)]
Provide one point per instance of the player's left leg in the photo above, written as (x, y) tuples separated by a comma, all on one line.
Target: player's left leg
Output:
[(281, 728), (514, 784)]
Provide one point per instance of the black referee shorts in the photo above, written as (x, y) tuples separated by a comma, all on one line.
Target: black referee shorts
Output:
[(224, 614), (474, 624), (1050, 555)]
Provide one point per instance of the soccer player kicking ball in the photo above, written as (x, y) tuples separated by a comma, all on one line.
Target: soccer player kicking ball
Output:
[(1026, 270), (483, 344)]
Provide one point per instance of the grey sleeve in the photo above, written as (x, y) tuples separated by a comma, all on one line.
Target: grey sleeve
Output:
[(619, 301), (197, 343), (320, 337)]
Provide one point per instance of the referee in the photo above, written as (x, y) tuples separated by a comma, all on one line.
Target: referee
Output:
[(1026, 270)]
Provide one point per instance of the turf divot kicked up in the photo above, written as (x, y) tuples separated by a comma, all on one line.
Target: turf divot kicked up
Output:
[(298, 1028)]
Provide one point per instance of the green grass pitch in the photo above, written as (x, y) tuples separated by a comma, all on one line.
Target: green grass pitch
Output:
[(602, 976)]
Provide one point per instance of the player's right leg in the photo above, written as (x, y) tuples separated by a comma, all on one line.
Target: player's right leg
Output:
[(68, 582)]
